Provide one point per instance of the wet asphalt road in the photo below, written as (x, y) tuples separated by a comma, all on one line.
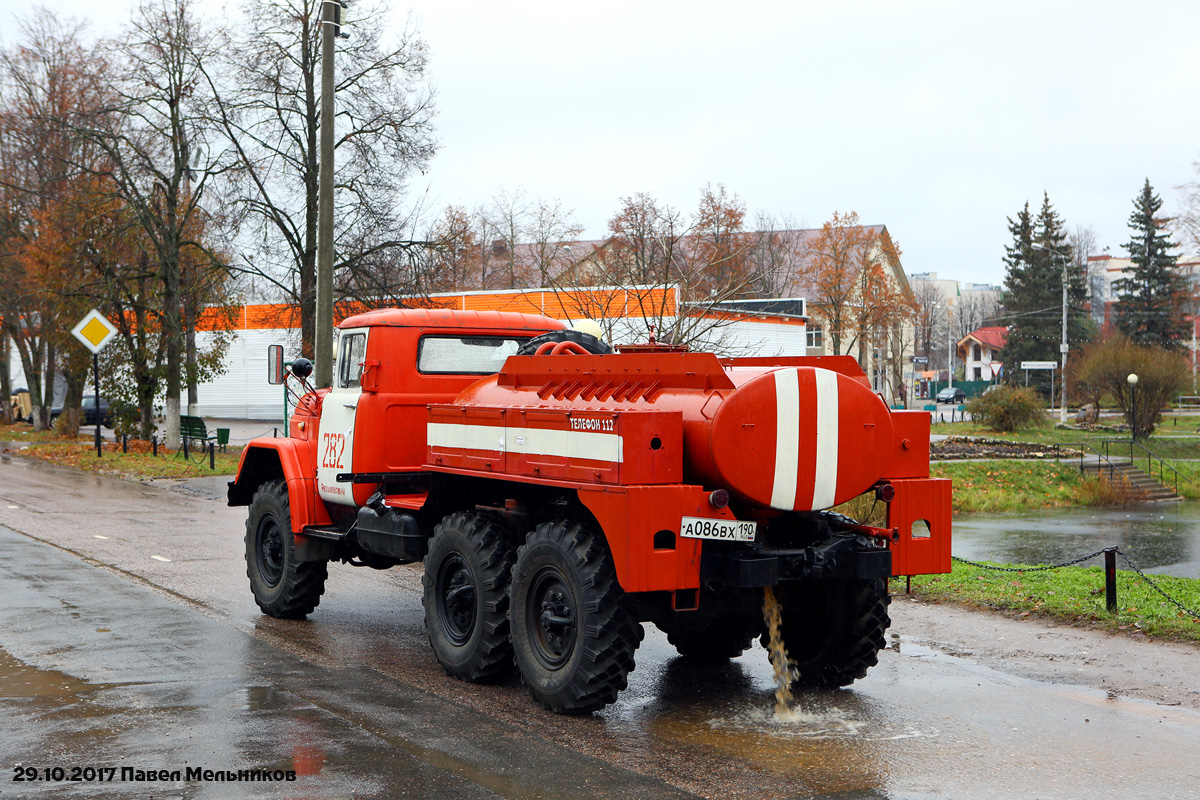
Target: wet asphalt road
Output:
[(144, 650)]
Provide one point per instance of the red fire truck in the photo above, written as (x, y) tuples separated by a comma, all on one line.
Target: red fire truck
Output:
[(560, 494)]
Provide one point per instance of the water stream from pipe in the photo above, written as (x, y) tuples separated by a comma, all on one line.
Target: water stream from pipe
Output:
[(785, 668)]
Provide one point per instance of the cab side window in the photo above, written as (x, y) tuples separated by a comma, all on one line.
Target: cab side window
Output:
[(350, 360)]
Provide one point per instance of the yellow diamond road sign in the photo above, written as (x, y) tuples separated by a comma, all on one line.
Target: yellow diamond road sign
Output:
[(94, 331)]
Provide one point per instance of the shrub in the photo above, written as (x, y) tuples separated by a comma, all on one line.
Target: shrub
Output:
[(1107, 491), (1008, 408), (1162, 374)]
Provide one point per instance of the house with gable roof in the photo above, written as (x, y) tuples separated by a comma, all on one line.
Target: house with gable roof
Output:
[(979, 349)]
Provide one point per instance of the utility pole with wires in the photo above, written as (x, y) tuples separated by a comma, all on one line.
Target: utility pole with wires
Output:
[(331, 28)]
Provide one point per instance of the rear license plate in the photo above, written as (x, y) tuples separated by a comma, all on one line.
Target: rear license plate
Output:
[(731, 530)]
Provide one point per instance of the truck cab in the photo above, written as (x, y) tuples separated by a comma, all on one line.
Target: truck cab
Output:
[(390, 366)]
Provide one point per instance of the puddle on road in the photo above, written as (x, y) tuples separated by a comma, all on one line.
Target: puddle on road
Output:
[(813, 723), (18, 679), (837, 741)]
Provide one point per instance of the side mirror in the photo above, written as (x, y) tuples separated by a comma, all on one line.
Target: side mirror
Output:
[(302, 368), (275, 374)]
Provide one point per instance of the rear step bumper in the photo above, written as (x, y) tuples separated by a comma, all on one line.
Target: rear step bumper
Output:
[(749, 566)]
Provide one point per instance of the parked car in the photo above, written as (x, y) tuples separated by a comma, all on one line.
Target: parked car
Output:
[(951, 394), (19, 402), (88, 417)]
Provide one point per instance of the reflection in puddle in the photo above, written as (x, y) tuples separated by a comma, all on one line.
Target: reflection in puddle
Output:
[(799, 723), (18, 679)]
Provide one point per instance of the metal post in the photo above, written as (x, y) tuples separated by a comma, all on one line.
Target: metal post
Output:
[(96, 380), (323, 336), (154, 442), (1110, 578), (1133, 426), (185, 448), (949, 349), (1062, 414), (212, 457)]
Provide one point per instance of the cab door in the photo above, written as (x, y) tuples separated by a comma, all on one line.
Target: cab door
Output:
[(339, 412)]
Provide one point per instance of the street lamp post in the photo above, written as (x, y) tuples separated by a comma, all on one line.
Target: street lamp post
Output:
[(1132, 380), (949, 349), (1062, 411)]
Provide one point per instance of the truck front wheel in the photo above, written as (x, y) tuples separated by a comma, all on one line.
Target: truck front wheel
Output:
[(573, 637), (282, 586), (833, 629), (467, 571)]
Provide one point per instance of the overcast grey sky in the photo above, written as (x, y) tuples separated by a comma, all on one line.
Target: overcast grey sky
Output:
[(937, 119)]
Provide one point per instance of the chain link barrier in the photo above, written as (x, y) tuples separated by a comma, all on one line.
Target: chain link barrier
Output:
[(1158, 588), (1029, 569), (1117, 550)]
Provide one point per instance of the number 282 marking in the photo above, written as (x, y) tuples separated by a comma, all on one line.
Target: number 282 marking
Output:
[(335, 446)]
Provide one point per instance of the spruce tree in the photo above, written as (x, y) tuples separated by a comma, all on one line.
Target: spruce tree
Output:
[(1033, 293), (1153, 299)]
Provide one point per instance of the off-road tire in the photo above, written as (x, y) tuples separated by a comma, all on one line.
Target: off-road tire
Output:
[(282, 586), (584, 340), (720, 639), (833, 629), (467, 573), (573, 637)]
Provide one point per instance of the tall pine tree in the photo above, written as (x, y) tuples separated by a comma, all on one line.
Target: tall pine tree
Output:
[(1152, 301), (1033, 289)]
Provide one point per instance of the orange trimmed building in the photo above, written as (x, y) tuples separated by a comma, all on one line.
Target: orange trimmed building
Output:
[(765, 328)]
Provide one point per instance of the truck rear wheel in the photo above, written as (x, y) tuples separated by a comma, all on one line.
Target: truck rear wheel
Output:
[(719, 639), (467, 572), (833, 629), (573, 637), (282, 586)]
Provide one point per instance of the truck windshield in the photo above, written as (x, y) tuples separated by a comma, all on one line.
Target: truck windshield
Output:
[(458, 355)]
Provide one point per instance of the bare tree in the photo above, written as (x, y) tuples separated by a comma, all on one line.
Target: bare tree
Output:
[(777, 254), (454, 252), (508, 217), (660, 277), (384, 133), (1187, 222), (551, 231), (930, 323)]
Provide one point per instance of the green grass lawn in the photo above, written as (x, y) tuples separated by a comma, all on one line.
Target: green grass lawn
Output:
[(138, 463), (1010, 485), (1072, 594)]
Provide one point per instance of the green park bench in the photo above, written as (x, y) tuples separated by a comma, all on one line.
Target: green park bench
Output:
[(196, 433)]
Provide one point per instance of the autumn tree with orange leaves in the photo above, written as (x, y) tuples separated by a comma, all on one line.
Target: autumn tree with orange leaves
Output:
[(857, 291), (719, 251), (44, 199)]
